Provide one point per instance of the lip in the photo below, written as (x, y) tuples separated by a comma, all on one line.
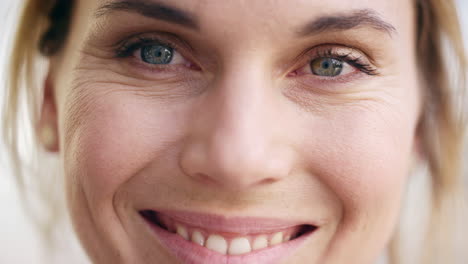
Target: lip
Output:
[(191, 253)]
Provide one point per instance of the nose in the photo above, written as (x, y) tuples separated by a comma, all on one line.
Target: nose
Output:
[(238, 136)]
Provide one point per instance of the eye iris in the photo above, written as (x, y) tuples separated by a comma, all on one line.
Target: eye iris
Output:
[(326, 67), (156, 54)]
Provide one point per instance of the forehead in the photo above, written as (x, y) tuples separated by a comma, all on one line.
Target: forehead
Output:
[(277, 14)]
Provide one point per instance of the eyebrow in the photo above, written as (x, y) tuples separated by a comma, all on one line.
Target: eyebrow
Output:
[(342, 22), (151, 9), (335, 22)]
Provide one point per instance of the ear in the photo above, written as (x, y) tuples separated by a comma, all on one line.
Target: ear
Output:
[(47, 127)]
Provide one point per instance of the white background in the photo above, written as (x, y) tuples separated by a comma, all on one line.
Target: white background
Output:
[(18, 242)]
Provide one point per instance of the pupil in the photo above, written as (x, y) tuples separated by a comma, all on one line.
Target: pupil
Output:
[(326, 65)]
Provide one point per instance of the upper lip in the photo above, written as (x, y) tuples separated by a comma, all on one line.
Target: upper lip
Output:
[(240, 225)]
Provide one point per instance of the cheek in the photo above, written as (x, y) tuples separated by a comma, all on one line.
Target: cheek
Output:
[(364, 157), (114, 138)]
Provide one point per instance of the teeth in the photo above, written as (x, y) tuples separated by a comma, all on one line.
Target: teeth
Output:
[(236, 246), (182, 231), (217, 243), (239, 246), (260, 242), (198, 238), (276, 239)]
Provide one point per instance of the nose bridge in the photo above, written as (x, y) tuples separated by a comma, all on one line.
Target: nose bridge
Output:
[(239, 145), (244, 95), (243, 131)]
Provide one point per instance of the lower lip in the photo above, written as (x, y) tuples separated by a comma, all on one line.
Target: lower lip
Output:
[(191, 253)]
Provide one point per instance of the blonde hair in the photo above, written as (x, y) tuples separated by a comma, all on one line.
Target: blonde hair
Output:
[(442, 64)]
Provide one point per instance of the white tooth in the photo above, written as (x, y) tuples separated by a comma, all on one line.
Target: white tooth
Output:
[(239, 246), (182, 231), (260, 242), (287, 238), (198, 238), (217, 243), (276, 239)]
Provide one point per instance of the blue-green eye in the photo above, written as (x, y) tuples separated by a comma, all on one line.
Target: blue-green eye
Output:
[(328, 67), (157, 54)]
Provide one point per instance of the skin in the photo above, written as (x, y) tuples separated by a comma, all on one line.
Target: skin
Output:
[(242, 135)]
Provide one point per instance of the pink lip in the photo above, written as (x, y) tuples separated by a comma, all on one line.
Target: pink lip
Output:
[(240, 225), (191, 253)]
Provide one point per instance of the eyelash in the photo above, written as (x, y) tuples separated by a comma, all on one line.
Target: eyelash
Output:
[(357, 62), (128, 48)]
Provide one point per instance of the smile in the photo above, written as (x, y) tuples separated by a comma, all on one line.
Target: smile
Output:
[(199, 238)]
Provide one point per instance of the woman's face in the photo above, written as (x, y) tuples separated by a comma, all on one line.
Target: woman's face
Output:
[(266, 131)]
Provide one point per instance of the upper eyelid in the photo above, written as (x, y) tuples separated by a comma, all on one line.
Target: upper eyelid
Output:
[(336, 51), (128, 48), (156, 38)]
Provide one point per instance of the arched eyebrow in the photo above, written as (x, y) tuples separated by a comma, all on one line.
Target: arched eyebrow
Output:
[(347, 21), (151, 9), (333, 22)]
